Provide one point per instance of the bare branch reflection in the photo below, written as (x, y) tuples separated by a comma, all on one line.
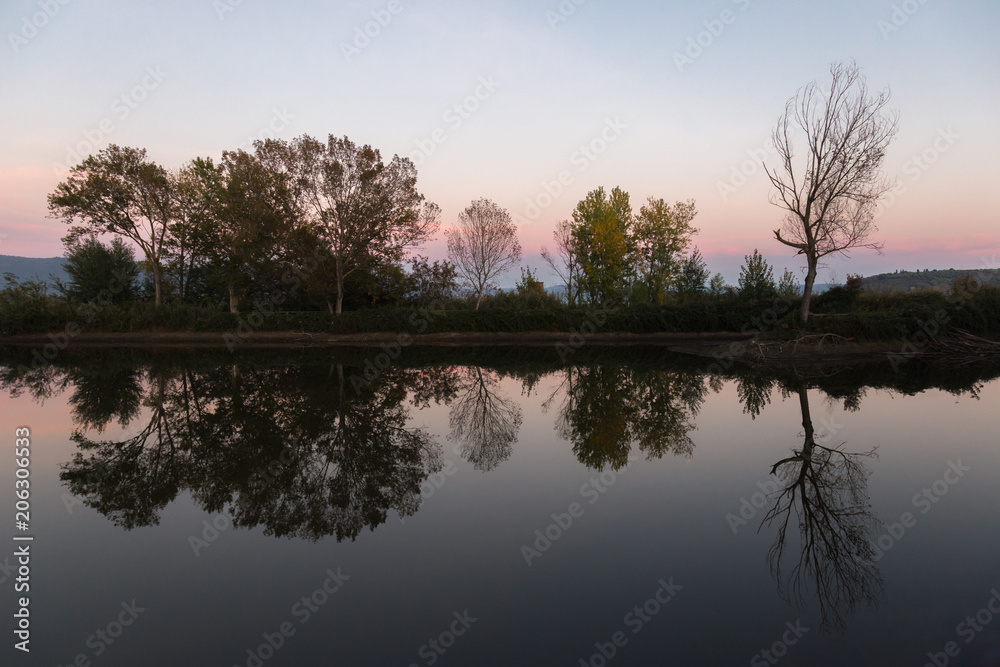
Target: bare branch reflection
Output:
[(826, 489), (484, 422)]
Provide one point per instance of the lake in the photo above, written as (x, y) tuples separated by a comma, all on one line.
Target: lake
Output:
[(501, 506)]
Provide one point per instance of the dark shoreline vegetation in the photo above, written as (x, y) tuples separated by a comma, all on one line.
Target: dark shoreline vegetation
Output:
[(848, 316)]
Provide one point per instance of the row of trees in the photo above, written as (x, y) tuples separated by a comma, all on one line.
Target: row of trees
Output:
[(312, 216), (303, 213), (608, 254)]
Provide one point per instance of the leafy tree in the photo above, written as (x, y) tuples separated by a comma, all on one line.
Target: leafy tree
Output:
[(831, 194), (428, 282), (366, 212), (253, 220), (483, 246), (661, 236), (197, 189), (96, 270), (601, 232), (529, 283), (119, 191), (756, 278), (717, 285), (788, 285), (693, 276)]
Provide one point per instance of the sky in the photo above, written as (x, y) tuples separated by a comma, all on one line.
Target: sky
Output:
[(529, 103)]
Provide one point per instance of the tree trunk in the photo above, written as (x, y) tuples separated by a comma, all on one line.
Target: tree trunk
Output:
[(479, 299), (807, 290), (330, 307), (156, 282), (234, 300), (340, 287)]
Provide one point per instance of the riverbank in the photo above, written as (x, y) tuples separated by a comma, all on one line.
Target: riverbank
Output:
[(719, 346)]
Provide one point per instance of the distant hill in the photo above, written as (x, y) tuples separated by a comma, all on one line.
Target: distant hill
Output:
[(32, 268), (940, 280)]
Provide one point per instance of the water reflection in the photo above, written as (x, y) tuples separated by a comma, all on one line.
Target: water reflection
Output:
[(287, 445), (833, 561), (292, 449), (607, 409), (484, 421)]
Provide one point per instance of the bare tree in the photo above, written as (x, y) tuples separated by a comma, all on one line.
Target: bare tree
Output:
[(565, 260), (831, 193), (483, 245)]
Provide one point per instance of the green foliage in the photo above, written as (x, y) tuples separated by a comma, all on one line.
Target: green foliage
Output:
[(788, 285), (529, 283), (756, 278), (119, 191), (602, 227), (102, 271), (839, 298), (717, 285), (693, 276), (661, 236), (428, 282)]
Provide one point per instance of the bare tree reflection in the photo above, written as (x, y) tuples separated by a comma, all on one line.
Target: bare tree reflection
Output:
[(484, 422), (826, 490)]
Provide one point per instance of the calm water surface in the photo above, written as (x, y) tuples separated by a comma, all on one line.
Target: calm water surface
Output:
[(503, 508)]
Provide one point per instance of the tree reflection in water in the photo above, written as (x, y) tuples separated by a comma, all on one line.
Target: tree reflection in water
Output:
[(484, 422), (291, 449), (607, 409), (826, 489)]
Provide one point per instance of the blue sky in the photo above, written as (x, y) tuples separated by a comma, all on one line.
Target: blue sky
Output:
[(196, 77)]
